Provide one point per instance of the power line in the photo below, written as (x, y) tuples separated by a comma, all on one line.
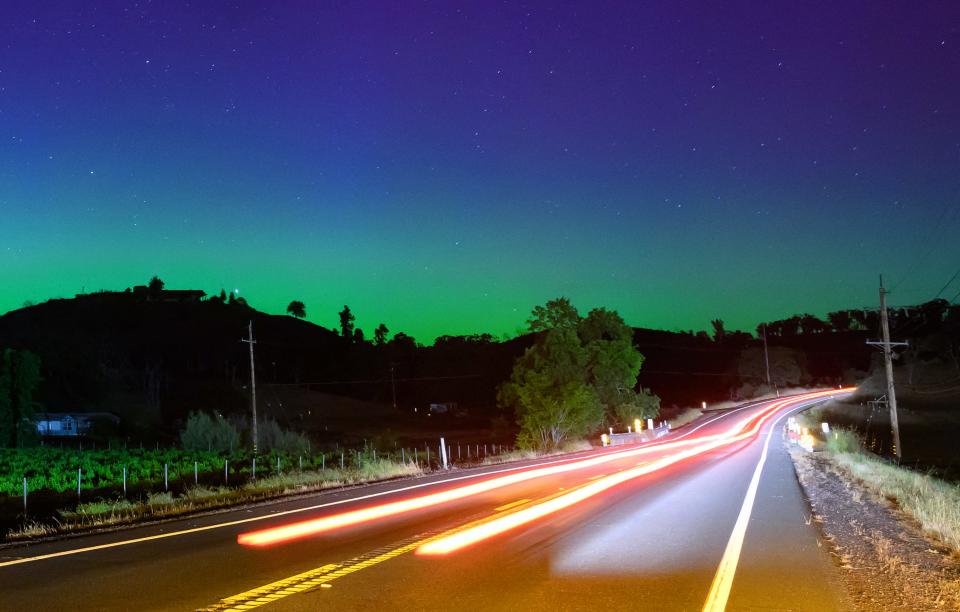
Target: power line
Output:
[(944, 288), (371, 381), (931, 244)]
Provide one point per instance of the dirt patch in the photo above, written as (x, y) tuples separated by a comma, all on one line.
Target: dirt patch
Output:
[(886, 560)]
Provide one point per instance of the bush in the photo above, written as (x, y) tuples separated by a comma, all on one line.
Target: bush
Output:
[(274, 438), (209, 433), (844, 441)]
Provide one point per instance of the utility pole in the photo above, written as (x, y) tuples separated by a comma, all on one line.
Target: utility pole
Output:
[(766, 354), (393, 385), (888, 364), (253, 385)]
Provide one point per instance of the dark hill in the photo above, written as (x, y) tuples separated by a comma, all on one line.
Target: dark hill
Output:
[(152, 361)]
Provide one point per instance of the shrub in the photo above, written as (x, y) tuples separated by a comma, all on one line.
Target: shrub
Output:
[(844, 441), (209, 433)]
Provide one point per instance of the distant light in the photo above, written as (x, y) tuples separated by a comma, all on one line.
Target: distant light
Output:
[(236, 291)]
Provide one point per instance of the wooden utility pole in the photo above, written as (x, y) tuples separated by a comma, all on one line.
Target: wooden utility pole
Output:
[(766, 354), (887, 347), (253, 385), (393, 384)]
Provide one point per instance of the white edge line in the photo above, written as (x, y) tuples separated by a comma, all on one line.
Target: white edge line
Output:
[(171, 534), (723, 580)]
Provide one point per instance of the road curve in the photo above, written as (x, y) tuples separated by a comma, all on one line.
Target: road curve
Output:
[(710, 519)]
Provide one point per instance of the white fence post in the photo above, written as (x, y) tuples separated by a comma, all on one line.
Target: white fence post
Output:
[(443, 452)]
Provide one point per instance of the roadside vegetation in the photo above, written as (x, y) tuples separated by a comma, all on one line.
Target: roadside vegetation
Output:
[(933, 502), (165, 504), (580, 374)]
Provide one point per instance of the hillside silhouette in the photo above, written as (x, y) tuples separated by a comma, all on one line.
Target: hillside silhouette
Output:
[(151, 355)]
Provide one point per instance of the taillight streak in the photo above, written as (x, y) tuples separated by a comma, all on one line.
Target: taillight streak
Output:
[(284, 533)]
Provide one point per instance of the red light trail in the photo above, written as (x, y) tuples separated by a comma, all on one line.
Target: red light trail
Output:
[(697, 445)]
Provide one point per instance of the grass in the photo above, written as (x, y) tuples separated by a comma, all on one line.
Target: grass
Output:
[(687, 416), (106, 512), (934, 503), (570, 446)]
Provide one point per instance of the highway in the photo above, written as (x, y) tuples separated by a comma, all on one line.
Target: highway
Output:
[(709, 518)]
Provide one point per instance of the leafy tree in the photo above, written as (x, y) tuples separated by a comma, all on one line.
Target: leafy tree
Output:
[(19, 379), (297, 309), (380, 335), (402, 343), (786, 366), (346, 322), (558, 313), (578, 371), (643, 405), (155, 286)]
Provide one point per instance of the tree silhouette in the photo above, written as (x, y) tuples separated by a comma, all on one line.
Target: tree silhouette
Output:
[(380, 335), (297, 309), (358, 336), (155, 287), (718, 331), (840, 320), (346, 322)]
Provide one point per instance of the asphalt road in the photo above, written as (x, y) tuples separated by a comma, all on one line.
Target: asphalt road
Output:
[(677, 538)]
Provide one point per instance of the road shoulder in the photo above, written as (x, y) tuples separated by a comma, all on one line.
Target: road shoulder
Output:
[(886, 561)]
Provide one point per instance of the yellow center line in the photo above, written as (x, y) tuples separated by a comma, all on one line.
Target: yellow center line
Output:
[(596, 477), (321, 577), (514, 504)]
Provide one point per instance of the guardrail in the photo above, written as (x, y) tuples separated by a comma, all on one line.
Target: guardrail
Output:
[(635, 437)]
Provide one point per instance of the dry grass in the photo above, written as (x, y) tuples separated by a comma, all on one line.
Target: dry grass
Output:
[(934, 503), (687, 416), (571, 446), (104, 513)]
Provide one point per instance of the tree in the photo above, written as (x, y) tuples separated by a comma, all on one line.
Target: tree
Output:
[(840, 320), (578, 370), (358, 337), (558, 313), (643, 405), (718, 330), (380, 335), (155, 287), (297, 309), (786, 367), (346, 322), (19, 379)]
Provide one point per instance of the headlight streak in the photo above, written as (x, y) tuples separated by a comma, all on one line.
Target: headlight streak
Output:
[(466, 537), (292, 531)]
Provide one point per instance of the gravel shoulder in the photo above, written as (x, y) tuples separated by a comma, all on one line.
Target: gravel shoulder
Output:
[(886, 560)]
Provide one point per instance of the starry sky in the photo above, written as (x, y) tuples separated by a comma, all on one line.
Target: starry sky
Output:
[(444, 166)]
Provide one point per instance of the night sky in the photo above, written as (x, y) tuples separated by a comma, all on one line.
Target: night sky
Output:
[(442, 167)]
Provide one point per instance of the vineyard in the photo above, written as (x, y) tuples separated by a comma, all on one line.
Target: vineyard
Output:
[(55, 469)]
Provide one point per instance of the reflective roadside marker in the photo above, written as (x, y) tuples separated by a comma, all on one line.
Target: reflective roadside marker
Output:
[(605, 440), (825, 427), (704, 405)]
